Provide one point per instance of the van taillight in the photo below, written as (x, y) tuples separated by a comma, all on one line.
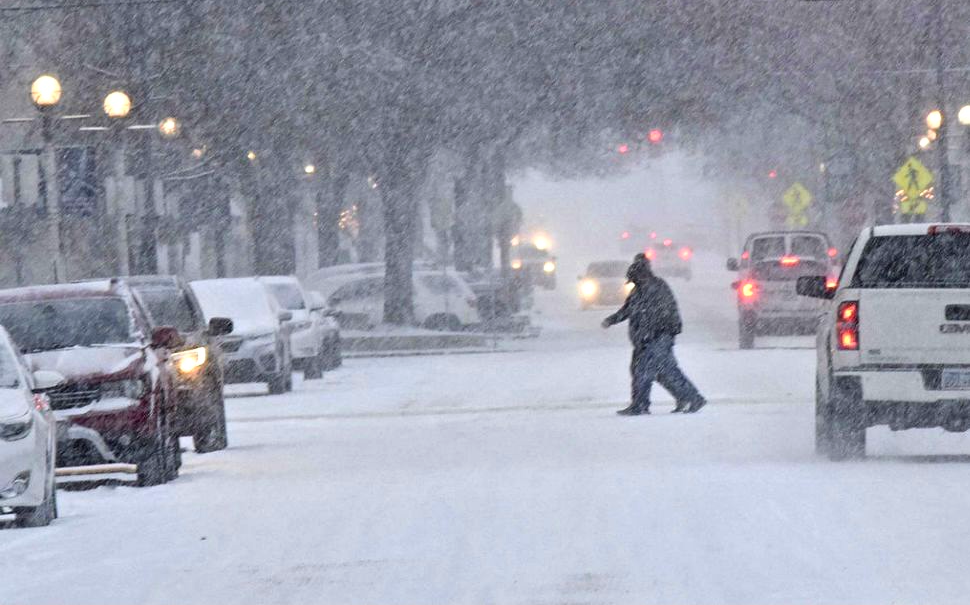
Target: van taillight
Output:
[(747, 291), (847, 326)]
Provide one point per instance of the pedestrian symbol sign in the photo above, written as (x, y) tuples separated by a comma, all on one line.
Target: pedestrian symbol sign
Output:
[(797, 198), (913, 179)]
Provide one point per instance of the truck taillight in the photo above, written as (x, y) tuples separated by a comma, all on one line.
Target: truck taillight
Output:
[(847, 326), (831, 283), (686, 253)]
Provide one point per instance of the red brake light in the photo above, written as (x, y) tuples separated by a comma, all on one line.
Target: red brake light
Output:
[(847, 326), (790, 261), (745, 255), (747, 291), (625, 235), (833, 252), (650, 254), (668, 242), (653, 235), (831, 283), (686, 253)]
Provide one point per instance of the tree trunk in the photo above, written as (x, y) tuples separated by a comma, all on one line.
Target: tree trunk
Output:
[(329, 206), (398, 190)]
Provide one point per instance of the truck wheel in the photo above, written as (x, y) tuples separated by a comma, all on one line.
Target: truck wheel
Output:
[(848, 428), (823, 423), (212, 435), (746, 330), (332, 355)]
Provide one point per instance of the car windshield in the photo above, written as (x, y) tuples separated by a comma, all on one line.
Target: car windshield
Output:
[(68, 322), (775, 271), (234, 299), (288, 296), (171, 307), (767, 247), (915, 261), (608, 269)]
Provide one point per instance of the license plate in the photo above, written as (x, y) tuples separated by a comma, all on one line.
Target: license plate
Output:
[(955, 380)]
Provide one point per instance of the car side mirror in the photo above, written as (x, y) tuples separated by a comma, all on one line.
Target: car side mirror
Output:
[(285, 316), (45, 380), (732, 264), (166, 337), (220, 326), (814, 286)]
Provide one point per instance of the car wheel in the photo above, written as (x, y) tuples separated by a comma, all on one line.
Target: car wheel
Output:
[(212, 436), (159, 460), (314, 367), (746, 330), (276, 384), (43, 515), (333, 357)]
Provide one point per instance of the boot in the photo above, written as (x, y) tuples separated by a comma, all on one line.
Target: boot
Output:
[(696, 406), (682, 406), (633, 410)]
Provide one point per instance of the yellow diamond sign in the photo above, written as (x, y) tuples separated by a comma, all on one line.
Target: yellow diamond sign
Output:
[(913, 178), (797, 198)]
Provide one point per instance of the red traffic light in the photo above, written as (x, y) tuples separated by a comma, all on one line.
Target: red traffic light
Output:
[(623, 148), (655, 136), (772, 174)]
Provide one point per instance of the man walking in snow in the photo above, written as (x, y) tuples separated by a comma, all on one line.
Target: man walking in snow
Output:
[(654, 323)]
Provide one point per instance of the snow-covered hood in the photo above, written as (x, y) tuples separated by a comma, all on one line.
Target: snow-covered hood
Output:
[(252, 326), (79, 364), (13, 404)]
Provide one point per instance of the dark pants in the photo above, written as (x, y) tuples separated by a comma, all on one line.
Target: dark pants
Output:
[(654, 361)]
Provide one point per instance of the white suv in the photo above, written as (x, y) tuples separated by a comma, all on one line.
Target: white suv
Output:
[(894, 346)]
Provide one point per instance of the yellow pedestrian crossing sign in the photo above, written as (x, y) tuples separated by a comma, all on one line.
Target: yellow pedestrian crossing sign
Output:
[(797, 198), (913, 180)]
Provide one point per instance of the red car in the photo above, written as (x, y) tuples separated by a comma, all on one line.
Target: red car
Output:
[(117, 404)]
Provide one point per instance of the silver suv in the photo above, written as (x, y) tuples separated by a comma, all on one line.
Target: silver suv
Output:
[(769, 267)]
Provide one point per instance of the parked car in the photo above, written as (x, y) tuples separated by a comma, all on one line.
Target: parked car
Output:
[(198, 365), (892, 346), (332, 344), (442, 299), (28, 440), (117, 403), (604, 283), (670, 259), (258, 348), (313, 335), (770, 264)]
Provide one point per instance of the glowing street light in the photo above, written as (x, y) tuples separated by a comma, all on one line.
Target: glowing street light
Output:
[(45, 92), (964, 116), (541, 241), (169, 128), (309, 169), (117, 104), (931, 135), (924, 142), (251, 155), (934, 119)]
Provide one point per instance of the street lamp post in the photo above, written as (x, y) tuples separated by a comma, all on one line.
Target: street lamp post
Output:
[(45, 92), (117, 106)]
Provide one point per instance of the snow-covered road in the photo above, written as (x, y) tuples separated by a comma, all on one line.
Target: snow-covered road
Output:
[(507, 478)]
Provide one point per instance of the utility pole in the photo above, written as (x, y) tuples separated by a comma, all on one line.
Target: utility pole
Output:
[(942, 143)]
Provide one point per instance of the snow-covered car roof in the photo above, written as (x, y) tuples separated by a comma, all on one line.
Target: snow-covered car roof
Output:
[(329, 279), (91, 289)]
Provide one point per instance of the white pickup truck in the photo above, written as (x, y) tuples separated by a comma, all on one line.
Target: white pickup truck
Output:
[(894, 346)]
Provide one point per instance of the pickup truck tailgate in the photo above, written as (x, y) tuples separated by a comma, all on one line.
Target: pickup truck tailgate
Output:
[(915, 326)]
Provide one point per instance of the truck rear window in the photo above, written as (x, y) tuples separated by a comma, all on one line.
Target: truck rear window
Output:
[(915, 261)]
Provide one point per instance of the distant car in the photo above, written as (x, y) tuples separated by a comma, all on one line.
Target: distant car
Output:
[(769, 267), (198, 365), (442, 299), (604, 283), (258, 348), (669, 259), (313, 335), (537, 266), (117, 403), (28, 440)]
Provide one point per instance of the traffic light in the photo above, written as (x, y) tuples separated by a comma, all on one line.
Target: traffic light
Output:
[(772, 174), (623, 148), (655, 136)]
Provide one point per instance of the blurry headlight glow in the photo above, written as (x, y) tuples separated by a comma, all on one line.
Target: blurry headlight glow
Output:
[(628, 287), (189, 361), (549, 266), (588, 288), (516, 263)]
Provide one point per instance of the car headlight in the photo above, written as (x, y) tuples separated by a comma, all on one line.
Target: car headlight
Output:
[(516, 263), (131, 389), (16, 430), (588, 288), (187, 362), (628, 287), (549, 266)]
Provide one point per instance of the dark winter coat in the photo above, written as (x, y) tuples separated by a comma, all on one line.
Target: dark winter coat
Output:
[(651, 310)]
